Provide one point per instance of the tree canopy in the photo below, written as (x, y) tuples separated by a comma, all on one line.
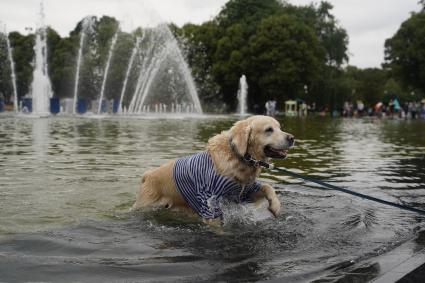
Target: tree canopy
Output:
[(405, 52), (285, 51), (282, 49)]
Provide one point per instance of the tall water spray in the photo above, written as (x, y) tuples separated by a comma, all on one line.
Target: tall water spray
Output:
[(162, 49), (153, 55), (86, 26), (12, 72), (242, 96), (127, 74), (147, 77), (145, 70), (105, 76), (41, 86)]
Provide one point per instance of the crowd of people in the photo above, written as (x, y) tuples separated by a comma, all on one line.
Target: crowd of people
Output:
[(392, 109), (409, 110)]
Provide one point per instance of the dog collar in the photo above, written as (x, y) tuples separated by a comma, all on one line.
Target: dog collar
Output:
[(247, 158), (257, 163)]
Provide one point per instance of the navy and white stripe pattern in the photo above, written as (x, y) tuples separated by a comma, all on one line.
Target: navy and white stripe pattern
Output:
[(204, 189)]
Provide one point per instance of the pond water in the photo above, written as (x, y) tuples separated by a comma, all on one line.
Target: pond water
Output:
[(66, 186)]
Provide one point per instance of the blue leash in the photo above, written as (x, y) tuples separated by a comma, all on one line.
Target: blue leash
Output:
[(257, 163)]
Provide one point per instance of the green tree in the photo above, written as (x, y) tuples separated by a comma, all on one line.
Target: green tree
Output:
[(199, 45), (285, 56), (230, 62), (95, 55), (286, 52), (405, 52), (333, 37), (247, 12), (5, 72), (119, 64), (23, 55), (62, 59), (237, 23), (371, 84), (393, 88)]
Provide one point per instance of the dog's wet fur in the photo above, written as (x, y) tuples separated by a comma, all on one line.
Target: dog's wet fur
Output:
[(259, 136)]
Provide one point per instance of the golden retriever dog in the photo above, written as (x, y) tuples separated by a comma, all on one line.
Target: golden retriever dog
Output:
[(201, 182)]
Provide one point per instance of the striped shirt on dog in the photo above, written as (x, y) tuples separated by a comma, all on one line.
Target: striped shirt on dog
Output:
[(204, 189)]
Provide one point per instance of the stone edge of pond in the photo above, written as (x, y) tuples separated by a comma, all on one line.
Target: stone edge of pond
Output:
[(403, 264)]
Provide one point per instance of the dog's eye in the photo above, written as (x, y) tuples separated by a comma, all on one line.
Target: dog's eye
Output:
[(269, 130)]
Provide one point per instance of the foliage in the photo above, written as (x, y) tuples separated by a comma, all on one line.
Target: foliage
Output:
[(405, 53), (247, 12), (23, 55), (333, 38), (61, 62), (286, 52), (198, 44), (285, 56), (5, 78), (281, 48)]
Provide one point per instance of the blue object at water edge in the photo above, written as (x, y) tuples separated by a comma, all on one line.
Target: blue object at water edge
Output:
[(115, 105), (54, 105), (81, 106), (104, 107), (27, 105)]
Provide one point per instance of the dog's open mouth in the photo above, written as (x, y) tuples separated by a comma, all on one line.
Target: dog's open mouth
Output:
[(275, 152)]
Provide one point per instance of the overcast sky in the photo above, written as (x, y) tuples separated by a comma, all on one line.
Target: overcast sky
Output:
[(368, 22)]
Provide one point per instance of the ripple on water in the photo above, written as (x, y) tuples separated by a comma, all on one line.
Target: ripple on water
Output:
[(67, 184)]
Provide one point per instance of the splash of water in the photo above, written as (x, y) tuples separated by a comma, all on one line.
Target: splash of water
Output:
[(87, 26), (130, 66), (12, 73), (41, 86), (108, 64), (242, 95)]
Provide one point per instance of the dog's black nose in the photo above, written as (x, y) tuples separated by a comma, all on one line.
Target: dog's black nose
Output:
[(291, 139)]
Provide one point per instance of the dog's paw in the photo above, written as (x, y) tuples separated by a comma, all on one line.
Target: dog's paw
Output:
[(275, 207), (214, 222), (216, 226)]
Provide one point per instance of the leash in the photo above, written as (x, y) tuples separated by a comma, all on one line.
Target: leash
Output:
[(258, 163)]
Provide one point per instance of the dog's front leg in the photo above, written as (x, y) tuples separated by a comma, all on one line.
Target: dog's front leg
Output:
[(266, 191)]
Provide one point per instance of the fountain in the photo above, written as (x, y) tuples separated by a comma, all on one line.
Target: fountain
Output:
[(130, 66), (12, 72), (162, 50), (242, 95), (41, 86), (86, 27), (153, 75), (149, 61), (105, 76)]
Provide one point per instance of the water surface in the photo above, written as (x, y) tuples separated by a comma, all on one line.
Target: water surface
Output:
[(66, 186)]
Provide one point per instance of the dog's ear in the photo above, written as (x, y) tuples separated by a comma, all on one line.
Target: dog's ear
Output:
[(239, 136)]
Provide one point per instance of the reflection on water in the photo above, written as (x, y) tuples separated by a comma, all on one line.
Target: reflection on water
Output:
[(67, 184)]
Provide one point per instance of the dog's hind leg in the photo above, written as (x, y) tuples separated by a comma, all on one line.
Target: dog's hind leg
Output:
[(157, 188)]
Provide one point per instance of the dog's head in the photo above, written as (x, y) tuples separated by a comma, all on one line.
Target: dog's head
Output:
[(261, 137)]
